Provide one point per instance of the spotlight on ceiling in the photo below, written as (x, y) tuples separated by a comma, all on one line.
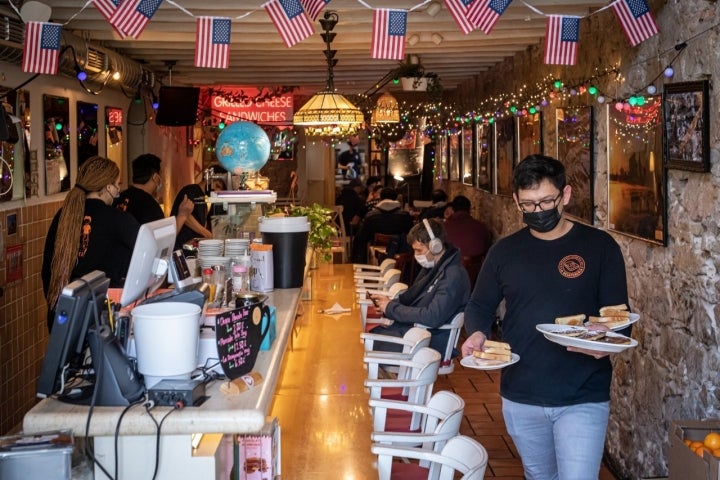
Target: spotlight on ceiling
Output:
[(436, 38), (433, 9), (413, 39)]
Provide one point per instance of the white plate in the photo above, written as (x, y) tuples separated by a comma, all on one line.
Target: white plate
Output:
[(550, 329), (479, 363), (634, 317)]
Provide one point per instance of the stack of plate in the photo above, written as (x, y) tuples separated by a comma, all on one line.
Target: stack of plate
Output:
[(210, 247), (209, 261), (235, 247)]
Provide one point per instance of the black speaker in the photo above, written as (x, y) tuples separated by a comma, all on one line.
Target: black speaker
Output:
[(177, 106)]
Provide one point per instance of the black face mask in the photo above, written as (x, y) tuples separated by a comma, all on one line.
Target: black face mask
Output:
[(542, 221)]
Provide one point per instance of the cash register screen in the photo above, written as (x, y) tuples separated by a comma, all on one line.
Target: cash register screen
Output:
[(150, 259)]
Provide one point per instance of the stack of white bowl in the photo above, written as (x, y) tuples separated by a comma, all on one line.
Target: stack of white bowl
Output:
[(235, 247), (210, 253), (210, 246)]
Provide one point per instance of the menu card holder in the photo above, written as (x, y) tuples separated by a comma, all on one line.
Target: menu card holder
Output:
[(239, 334)]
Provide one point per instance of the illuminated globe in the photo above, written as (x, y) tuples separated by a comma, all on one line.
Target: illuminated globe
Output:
[(242, 147)]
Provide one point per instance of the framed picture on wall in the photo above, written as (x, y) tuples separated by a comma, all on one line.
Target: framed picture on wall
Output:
[(686, 110), (505, 154), (441, 158), (529, 135), (637, 204), (468, 165), (484, 159), (454, 156), (575, 150)]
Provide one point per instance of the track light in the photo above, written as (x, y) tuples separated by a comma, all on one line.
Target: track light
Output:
[(433, 9), (436, 38), (413, 39)]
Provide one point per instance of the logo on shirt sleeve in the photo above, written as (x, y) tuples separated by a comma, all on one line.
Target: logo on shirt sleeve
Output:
[(571, 266)]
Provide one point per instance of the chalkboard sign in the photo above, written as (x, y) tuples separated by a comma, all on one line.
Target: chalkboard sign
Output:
[(238, 337)]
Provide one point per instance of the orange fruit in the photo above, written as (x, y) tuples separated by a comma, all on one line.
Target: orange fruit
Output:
[(695, 445), (712, 440), (699, 451), (687, 441)]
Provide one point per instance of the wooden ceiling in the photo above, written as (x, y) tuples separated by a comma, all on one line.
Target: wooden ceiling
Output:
[(259, 57)]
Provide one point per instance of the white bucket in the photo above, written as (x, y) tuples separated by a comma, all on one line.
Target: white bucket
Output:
[(166, 340)]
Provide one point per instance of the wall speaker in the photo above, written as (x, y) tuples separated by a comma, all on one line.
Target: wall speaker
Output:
[(177, 106)]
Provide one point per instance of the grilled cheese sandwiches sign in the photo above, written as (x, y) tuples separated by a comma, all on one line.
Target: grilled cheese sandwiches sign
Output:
[(263, 107)]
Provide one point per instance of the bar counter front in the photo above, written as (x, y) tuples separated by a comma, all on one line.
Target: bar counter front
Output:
[(220, 414)]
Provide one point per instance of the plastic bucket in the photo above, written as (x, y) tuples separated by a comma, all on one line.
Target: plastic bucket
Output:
[(288, 236), (166, 340)]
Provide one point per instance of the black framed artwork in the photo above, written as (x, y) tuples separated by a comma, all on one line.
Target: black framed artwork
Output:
[(686, 114), (637, 187), (484, 159), (505, 154), (575, 149), (468, 163)]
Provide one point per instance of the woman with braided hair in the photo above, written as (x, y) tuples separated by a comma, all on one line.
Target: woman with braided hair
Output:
[(88, 233)]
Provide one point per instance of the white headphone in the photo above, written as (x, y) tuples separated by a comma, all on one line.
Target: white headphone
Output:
[(435, 246)]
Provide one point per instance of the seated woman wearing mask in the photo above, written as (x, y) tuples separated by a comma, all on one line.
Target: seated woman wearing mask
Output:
[(87, 233), (440, 290)]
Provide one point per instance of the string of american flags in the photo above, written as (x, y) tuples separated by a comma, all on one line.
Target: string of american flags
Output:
[(294, 21)]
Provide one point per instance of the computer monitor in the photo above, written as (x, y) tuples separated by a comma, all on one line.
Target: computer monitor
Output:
[(107, 376), (150, 260)]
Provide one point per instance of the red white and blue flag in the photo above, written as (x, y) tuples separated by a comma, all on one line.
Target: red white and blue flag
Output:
[(484, 13), (212, 42), (107, 9), (636, 20), (313, 7), (41, 48), (290, 20), (132, 16), (459, 11), (388, 40), (561, 40)]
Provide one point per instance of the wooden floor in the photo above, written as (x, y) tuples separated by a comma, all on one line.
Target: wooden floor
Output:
[(322, 407)]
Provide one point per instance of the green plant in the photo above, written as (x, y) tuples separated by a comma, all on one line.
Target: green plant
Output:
[(322, 228)]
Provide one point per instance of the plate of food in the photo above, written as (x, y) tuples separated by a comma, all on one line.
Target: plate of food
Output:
[(581, 337), (614, 323), (614, 317), (494, 355)]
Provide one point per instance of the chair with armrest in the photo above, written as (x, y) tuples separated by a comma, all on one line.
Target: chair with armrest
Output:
[(460, 454), (368, 314), (414, 385), (447, 366), (343, 241), (378, 246), (364, 282), (413, 340), (373, 270), (441, 419)]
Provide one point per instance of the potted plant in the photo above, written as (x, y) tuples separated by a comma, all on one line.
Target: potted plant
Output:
[(322, 228), (412, 75)]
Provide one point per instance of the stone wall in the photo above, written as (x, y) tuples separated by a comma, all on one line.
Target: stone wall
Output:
[(673, 372)]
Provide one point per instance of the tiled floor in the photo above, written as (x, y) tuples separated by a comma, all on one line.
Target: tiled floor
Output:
[(322, 407)]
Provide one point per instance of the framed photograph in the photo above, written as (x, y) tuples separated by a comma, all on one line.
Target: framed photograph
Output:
[(468, 165), (454, 156), (686, 112), (441, 158), (484, 159), (575, 150), (637, 186), (530, 135), (505, 154)]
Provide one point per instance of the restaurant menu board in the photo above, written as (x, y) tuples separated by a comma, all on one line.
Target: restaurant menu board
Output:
[(238, 337)]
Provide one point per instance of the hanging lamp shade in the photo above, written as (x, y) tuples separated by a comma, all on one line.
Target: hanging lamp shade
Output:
[(386, 110), (328, 108)]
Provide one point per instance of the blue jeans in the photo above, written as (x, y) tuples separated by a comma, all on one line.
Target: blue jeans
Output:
[(563, 443)]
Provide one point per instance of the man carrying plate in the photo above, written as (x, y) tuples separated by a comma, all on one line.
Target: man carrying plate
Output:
[(556, 400)]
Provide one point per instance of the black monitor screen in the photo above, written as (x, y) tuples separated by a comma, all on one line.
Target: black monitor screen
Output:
[(177, 106)]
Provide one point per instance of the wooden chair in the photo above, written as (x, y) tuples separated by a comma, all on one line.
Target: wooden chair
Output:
[(460, 454), (378, 246), (343, 241)]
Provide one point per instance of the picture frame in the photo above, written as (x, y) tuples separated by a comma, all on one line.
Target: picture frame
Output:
[(637, 186), (505, 154), (530, 135), (468, 163), (454, 156), (686, 114), (575, 149), (441, 158), (484, 158)]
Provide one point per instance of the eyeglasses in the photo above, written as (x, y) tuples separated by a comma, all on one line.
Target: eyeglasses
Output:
[(543, 205)]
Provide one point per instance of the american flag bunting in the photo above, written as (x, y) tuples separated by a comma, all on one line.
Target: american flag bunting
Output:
[(107, 9), (212, 42), (484, 13), (290, 20), (636, 20), (388, 40), (313, 7), (561, 40), (132, 16), (459, 11), (41, 47)]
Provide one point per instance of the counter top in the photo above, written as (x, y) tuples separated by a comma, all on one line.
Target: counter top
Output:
[(220, 413)]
